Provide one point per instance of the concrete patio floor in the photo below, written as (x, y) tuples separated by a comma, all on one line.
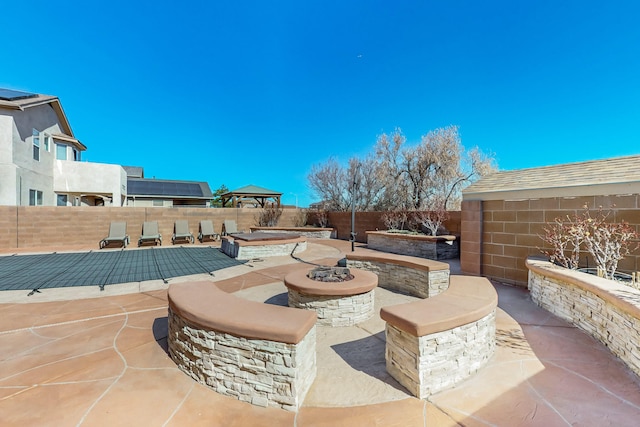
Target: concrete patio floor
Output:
[(94, 358)]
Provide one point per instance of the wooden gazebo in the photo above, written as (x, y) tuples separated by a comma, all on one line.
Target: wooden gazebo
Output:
[(250, 194)]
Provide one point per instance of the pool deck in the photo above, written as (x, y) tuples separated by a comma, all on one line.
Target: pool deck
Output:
[(99, 359)]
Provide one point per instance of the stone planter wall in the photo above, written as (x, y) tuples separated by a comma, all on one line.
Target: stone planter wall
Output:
[(606, 310), (261, 372), (438, 247), (431, 363), (419, 283)]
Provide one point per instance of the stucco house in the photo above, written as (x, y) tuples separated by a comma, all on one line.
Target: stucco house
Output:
[(40, 158)]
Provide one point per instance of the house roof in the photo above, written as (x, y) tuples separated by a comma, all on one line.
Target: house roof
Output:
[(252, 190), (168, 188), (619, 175), (134, 171), (24, 100)]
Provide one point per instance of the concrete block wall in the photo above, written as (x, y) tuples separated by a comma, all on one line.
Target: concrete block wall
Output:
[(81, 227), (508, 231)]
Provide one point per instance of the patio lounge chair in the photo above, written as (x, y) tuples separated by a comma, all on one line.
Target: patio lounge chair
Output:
[(230, 227), (117, 234), (150, 233), (181, 231), (207, 231)]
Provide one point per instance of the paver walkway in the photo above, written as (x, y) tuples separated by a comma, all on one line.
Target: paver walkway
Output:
[(103, 362)]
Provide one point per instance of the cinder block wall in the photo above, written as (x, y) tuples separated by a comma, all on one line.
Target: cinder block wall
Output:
[(510, 231), (371, 221), (84, 226)]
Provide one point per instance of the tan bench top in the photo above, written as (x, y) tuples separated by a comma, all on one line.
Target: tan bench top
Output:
[(282, 241), (206, 305), (363, 281), (467, 300), (403, 260)]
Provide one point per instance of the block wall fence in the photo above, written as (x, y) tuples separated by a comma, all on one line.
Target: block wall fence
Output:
[(497, 236), (36, 227)]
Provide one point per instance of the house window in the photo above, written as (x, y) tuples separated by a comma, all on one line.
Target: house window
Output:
[(47, 142), (36, 145), (62, 199), (61, 152), (76, 155), (158, 202), (35, 198)]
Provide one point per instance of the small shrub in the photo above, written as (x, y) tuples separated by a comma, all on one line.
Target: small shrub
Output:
[(395, 219), (300, 220), (606, 242), (269, 216)]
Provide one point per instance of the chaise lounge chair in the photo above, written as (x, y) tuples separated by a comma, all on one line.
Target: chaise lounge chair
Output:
[(150, 233), (207, 231), (229, 226), (117, 234), (181, 231)]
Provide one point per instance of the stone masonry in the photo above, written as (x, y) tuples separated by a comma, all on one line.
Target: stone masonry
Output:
[(615, 327), (409, 245), (263, 373), (419, 283), (434, 362), (344, 310), (238, 251)]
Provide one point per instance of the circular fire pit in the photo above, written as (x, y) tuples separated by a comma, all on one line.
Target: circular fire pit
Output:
[(336, 303)]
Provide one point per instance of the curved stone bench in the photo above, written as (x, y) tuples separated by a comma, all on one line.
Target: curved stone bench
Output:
[(415, 276), (606, 310), (335, 303), (236, 247), (433, 344), (259, 353)]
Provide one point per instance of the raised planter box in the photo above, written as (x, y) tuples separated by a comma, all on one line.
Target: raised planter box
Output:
[(311, 232), (246, 246), (606, 310), (420, 245)]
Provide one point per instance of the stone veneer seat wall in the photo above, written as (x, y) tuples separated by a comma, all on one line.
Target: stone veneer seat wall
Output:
[(257, 353), (606, 310), (419, 277), (244, 250), (434, 344)]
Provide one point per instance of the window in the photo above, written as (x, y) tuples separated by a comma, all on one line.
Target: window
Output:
[(47, 142), (157, 202), (36, 145), (35, 198), (61, 152), (62, 199), (76, 155)]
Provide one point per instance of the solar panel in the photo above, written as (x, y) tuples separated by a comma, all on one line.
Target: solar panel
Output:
[(152, 187), (13, 95)]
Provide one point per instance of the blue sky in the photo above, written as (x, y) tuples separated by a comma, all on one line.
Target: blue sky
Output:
[(240, 93)]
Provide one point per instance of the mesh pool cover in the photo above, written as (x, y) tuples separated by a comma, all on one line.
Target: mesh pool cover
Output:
[(29, 272)]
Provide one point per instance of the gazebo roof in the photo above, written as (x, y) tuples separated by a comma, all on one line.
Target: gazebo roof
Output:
[(259, 194)]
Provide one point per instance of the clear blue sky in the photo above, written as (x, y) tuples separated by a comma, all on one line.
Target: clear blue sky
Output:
[(240, 93)]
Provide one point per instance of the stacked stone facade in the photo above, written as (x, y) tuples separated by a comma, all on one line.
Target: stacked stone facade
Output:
[(411, 281), (428, 364), (419, 246), (309, 232), (236, 250), (261, 372), (615, 325), (343, 310)]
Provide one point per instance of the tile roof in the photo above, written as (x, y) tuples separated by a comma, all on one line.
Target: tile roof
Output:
[(620, 170)]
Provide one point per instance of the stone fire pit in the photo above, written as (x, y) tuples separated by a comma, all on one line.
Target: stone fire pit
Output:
[(339, 296)]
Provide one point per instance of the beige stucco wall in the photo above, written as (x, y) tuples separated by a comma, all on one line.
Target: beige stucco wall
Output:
[(90, 178)]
